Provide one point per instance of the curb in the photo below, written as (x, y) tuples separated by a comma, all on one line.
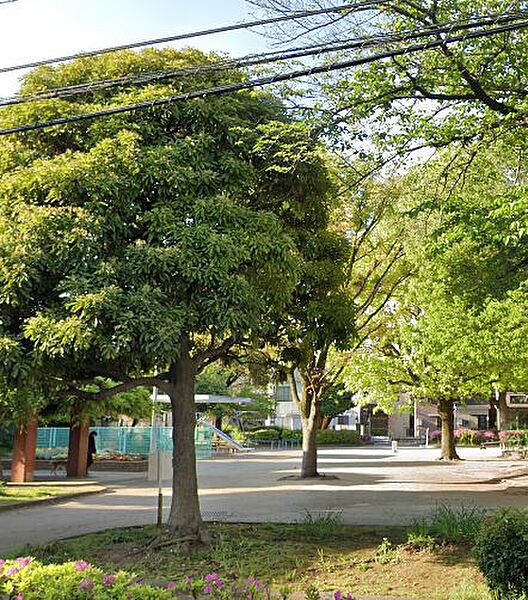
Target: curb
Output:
[(49, 501)]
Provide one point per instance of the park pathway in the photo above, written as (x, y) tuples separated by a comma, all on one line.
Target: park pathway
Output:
[(371, 486)]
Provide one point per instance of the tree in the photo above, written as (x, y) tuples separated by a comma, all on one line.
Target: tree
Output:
[(353, 265), (456, 331), (335, 401), (462, 93), (143, 247)]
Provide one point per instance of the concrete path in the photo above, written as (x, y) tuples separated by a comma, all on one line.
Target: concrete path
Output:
[(373, 486)]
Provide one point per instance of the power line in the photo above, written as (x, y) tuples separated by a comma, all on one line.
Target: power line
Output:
[(268, 58), (193, 34), (260, 82)]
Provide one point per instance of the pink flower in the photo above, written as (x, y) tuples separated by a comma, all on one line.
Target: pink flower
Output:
[(81, 565), (170, 585), (86, 584), (187, 580), (23, 561), (108, 579), (12, 571), (19, 596), (2, 563)]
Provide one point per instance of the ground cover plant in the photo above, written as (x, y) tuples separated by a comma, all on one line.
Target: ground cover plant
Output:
[(10, 495), (286, 558)]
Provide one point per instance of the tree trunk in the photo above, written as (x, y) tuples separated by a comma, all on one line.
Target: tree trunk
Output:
[(445, 410), (185, 520), (506, 414), (309, 408), (325, 422), (309, 446)]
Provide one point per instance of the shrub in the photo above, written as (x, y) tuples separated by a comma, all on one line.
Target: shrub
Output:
[(31, 580), (345, 437), (501, 551), (270, 433), (517, 438)]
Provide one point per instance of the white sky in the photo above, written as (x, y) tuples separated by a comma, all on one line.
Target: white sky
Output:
[(36, 29)]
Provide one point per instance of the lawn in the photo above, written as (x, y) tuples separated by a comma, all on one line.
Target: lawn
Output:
[(10, 495), (321, 553)]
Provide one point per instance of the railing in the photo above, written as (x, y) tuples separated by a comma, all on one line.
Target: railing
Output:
[(123, 440)]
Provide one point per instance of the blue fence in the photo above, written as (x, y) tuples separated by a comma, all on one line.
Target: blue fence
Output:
[(53, 441)]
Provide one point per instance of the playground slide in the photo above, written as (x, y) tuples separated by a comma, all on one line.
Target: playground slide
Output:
[(227, 438)]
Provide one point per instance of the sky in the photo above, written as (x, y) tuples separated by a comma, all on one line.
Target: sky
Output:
[(36, 29)]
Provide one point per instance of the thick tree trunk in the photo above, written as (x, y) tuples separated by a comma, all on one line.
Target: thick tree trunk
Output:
[(445, 410), (185, 520)]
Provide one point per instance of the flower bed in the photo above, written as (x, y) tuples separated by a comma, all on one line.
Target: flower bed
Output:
[(25, 578)]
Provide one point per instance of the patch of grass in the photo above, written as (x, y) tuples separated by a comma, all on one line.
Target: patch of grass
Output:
[(467, 590), (10, 495), (450, 524), (286, 556), (321, 525)]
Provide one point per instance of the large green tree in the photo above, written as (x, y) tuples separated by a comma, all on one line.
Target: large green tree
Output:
[(143, 247)]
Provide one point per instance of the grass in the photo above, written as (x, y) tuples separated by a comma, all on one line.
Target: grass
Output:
[(449, 524), (362, 560), (11, 495)]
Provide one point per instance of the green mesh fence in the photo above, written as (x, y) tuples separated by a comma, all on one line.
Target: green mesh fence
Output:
[(53, 441)]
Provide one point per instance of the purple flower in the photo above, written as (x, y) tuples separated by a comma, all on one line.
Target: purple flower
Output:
[(253, 583), (208, 589), (187, 580), (86, 584), (211, 577), (338, 596), (108, 579), (81, 565), (171, 585), (23, 561), (12, 571)]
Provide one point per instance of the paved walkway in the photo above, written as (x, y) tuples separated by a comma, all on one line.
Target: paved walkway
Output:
[(373, 487)]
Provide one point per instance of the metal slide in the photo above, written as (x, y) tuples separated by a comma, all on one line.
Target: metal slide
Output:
[(227, 438)]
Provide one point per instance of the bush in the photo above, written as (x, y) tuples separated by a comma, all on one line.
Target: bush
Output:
[(270, 433), (501, 551), (29, 579), (517, 438), (345, 437)]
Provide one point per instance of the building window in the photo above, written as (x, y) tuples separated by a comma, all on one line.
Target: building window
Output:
[(282, 393), (342, 420), (482, 421)]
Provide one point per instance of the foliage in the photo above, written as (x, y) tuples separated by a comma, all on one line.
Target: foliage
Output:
[(336, 400), (342, 561), (31, 580), (450, 524), (386, 553), (344, 437), (501, 549)]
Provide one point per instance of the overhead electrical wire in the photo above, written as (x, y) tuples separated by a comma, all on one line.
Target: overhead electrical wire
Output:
[(267, 58), (263, 81), (294, 15)]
